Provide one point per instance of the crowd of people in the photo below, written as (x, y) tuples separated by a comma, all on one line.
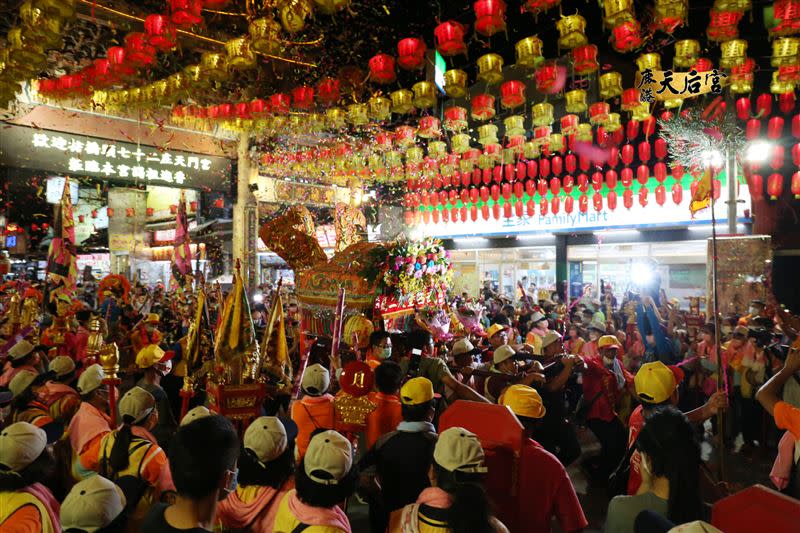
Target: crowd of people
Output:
[(644, 379)]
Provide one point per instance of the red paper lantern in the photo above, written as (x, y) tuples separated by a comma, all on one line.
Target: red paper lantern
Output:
[(611, 179), (570, 163), (661, 195), (544, 167), (303, 97), (328, 91), (506, 191), (411, 53), (519, 190), (530, 187), (530, 208), (764, 105), (677, 193), (627, 198), (449, 38), (632, 129), (597, 180), (507, 210), (512, 94), (473, 212), (584, 59), (775, 127), (778, 153), (186, 13), (497, 174), (81, 218), (546, 77), (242, 110), (508, 172), (660, 171), (613, 156), (435, 216), (627, 36), (280, 103), (541, 187), (130, 212), (644, 151), (583, 203), (796, 185), (160, 31), (544, 207), (611, 200), (597, 201), (519, 209), (490, 16), (555, 205), (660, 148), (569, 204), (484, 190), (496, 211), (116, 55), (584, 164), (555, 186), (568, 183), (724, 24), (786, 102), (796, 154), (649, 126), (643, 196), (583, 182), (482, 106), (752, 129), (626, 154), (642, 174), (532, 168), (756, 185), (774, 186), (381, 69), (521, 170), (556, 165)]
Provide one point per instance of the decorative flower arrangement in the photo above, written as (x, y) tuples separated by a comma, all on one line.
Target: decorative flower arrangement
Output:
[(470, 314), (417, 266), (435, 320)]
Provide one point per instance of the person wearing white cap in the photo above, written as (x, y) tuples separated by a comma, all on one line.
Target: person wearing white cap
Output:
[(456, 501), (26, 406), (130, 456), (315, 409), (324, 478), (94, 505), (63, 369), (266, 475), (60, 398), (22, 356), (91, 423), (195, 413), (25, 504), (539, 328), (505, 372)]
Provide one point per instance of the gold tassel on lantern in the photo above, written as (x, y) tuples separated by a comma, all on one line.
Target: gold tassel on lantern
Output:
[(529, 52), (424, 94), (572, 31), (610, 85), (490, 68), (686, 53), (402, 101), (575, 101), (455, 83), (265, 35)]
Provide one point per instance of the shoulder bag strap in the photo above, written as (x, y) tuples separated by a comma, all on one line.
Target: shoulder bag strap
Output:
[(300, 528)]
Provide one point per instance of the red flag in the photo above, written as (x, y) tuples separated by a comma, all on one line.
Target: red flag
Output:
[(181, 256), (61, 260)]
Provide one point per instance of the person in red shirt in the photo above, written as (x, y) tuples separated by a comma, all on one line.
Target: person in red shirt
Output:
[(541, 473), (379, 349), (604, 381), (388, 411)]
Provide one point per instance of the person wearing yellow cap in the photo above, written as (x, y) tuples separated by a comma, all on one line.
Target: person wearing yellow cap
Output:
[(156, 363), (540, 472), (146, 333), (402, 458)]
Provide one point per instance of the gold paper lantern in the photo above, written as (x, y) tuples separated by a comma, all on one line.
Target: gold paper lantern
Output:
[(575, 101), (542, 114), (650, 61), (741, 85), (487, 134), (24, 50), (612, 123), (99, 98), (610, 85), (380, 108), (514, 125), (415, 154), (194, 76), (394, 158), (556, 142), (335, 117), (240, 57), (460, 143), (530, 150), (64, 9), (437, 149), (732, 53), (455, 83), (584, 132), (780, 87), (161, 89), (265, 35), (135, 95), (357, 114), (784, 51), (149, 94), (293, 14), (214, 66), (572, 32), (329, 7), (686, 53), (176, 84), (490, 68), (529, 52), (424, 94), (641, 112), (617, 12), (674, 103), (402, 101)]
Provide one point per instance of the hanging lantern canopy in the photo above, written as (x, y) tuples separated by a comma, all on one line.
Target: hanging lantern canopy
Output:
[(402, 101), (482, 107), (584, 59), (669, 14), (240, 57), (429, 127), (379, 108), (449, 38), (265, 35), (490, 16), (512, 94), (542, 114), (214, 66), (455, 83), (455, 118), (546, 77), (572, 32), (686, 52), (627, 36), (424, 94), (411, 53), (529, 52), (610, 85), (381, 69), (328, 91), (186, 13), (575, 101), (732, 53), (490, 68), (160, 32)]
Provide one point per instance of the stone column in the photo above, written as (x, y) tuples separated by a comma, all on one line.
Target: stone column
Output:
[(243, 210)]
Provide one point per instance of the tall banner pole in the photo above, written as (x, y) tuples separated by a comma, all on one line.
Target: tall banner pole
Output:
[(721, 385)]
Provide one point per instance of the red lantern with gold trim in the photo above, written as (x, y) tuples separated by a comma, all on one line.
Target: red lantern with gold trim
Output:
[(381, 69), (774, 186), (583, 203), (186, 13), (626, 176), (411, 53), (449, 37), (796, 185), (482, 106), (519, 209), (643, 196), (583, 182), (160, 31), (584, 59), (756, 185), (546, 77), (568, 183), (280, 103), (512, 94), (490, 16), (530, 187), (328, 91)]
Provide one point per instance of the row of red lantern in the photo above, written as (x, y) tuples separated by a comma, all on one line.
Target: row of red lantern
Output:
[(775, 185), (763, 109)]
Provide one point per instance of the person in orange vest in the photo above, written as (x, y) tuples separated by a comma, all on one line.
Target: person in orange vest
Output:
[(94, 504), (540, 472), (379, 349), (388, 411), (91, 422), (26, 406), (26, 506), (315, 409)]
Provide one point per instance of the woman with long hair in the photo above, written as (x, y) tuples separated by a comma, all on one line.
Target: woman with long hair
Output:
[(25, 460), (130, 457), (456, 501), (670, 469), (266, 468)]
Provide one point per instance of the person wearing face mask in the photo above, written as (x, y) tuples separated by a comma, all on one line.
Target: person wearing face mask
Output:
[(26, 505), (203, 457), (505, 372), (756, 310), (379, 349), (22, 356), (670, 474), (537, 332), (595, 330), (604, 381), (156, 364), (130, 457), (146, 333)]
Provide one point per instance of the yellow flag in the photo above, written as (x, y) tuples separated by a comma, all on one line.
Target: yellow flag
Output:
[(276, 325), (702, 195)]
